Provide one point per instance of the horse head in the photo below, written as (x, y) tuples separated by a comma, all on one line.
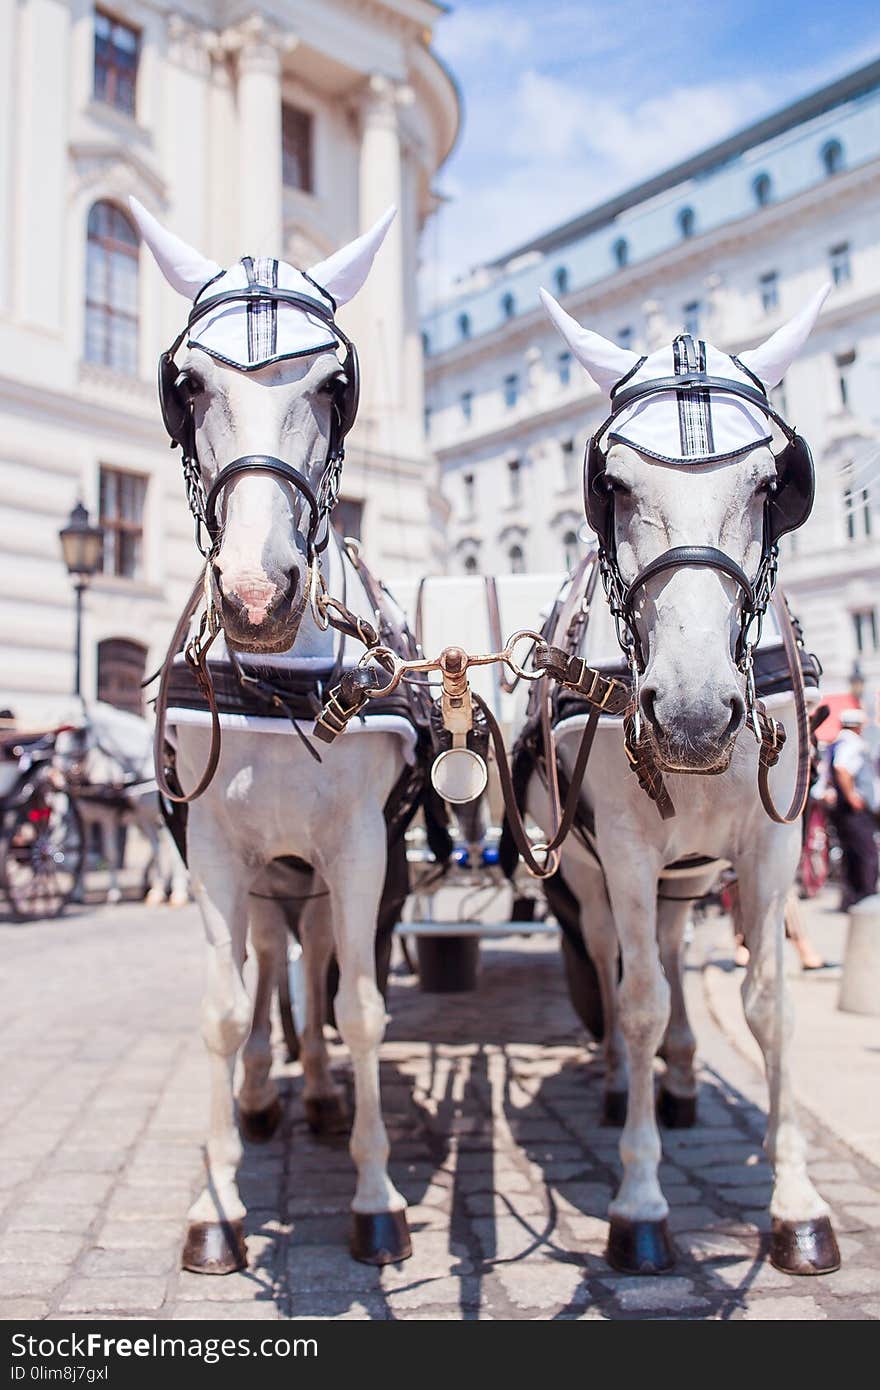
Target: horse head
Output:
[(689, 487), (260, 401)]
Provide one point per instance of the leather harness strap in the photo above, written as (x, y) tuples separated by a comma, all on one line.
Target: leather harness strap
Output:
[(687, 557), (773, 734)]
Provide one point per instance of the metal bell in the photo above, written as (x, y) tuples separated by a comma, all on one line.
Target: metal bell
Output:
[(459, 775)]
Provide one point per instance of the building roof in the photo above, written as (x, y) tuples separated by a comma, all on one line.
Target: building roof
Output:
[(853, 84)]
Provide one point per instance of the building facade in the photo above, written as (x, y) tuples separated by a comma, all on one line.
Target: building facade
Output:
[(269, 127), (727, 245)]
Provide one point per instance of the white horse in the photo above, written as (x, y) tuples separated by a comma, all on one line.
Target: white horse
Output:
[(269, 384), (112, 751), (686, 620)]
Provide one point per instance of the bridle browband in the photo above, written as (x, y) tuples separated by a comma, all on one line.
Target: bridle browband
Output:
[(177, 414)]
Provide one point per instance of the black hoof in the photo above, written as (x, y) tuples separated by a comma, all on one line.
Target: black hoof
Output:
[(380, 1238), (804, 1247), (258, 1126), (639, 1247), (326, 1115), (214, 1247), (614, 1108), (676, 1112)]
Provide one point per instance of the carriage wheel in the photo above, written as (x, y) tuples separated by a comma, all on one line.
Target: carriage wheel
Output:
[(43, 855)]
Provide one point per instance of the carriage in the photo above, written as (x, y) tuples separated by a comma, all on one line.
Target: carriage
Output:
[(41, 829)]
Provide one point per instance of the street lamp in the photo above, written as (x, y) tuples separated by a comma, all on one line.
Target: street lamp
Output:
[(82, 546), (857, 682)]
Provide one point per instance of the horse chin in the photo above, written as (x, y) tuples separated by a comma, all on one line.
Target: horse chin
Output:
[(685, 758), (275, 635)]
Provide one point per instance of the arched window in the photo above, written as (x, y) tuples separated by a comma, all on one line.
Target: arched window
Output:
[(508, 305), (560, 279), (464, 325), (762, 187), (620, 252), (570, 550), (112, 290), (687, 222), (121, 666), (832, 157), (516, 556)]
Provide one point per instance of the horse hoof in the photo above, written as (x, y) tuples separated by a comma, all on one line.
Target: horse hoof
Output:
[(326, 1115), (804, 1247), (258, 1126), (214, 1247), (639, 1247), (155, 898), (380, 1238), (676, 1112), (614, 1108)]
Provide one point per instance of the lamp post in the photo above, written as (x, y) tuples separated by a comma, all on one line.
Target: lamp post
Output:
[(857, 683), (81, 546)]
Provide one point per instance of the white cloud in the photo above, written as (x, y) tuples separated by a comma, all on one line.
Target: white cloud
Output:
[(472, 36)]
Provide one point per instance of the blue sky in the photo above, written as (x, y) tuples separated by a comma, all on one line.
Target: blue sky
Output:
[(568, 101)]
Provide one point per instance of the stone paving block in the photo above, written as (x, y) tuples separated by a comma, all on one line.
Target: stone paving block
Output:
[(55, 1216), (81, 1189), (268, 1311), (145, 1235), (110, 1295), (23, 1309), (853, 1279), (794, 1308), (49, 1247), (25, 1280), (447, 1292), (435, 1256), (638, 1293), (326, 1306), (249, 1285), (107, 1264), (544, 1285), (330, 1267)]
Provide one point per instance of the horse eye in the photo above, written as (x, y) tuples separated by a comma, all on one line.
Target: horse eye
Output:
[(767, 487), (189, 384), (332, 384), (617, 487)]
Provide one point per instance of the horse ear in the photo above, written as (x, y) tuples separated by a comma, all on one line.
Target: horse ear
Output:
[(185, 269), (604, 360), (343, 273), (772, 359)]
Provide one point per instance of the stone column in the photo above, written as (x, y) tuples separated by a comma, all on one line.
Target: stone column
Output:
[(259, 49), (380, 185)]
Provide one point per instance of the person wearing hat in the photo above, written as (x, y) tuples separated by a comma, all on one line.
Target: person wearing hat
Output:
[(855, 820)]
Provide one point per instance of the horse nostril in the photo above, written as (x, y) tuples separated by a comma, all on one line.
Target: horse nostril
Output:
[(737, 715), (646, 700)]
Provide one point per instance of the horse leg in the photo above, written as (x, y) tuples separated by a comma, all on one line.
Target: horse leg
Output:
[(380, 1234), (215, 1237), (802, 1240), (638, 1240), (677, 1100), (145, 820), (113, 855), (587, 882), (259, 1108), (325, 1112)]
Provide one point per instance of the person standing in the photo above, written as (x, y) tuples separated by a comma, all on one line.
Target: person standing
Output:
[(855, 784)]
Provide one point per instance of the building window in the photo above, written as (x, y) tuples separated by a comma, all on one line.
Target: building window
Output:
[(426, 417), (762, 188), (508, 305), (467, 406), (832, 157), (560, 279), (857, 513), (514, 480), (839, 263), (348, 517), (511, 390), (625, 337), (296, 148), (843, 361), (687, 223), (121, 668), (121, 507), (866, 631), (563, 366), (464, 325), (568, 472), (570, 550), (426, 344), (691, 314), (620, 252), (470, 564), (469, 486), (769, 287), (517, 559), (111, 290), (117, 47)]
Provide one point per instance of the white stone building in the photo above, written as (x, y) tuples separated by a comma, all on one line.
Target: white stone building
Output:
[(728, 244), (266, 127)]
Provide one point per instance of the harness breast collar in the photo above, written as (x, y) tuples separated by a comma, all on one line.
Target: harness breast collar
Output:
[(787, 506), (178, 405)]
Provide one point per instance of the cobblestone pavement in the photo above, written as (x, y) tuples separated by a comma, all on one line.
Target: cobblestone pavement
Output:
[(493, 1104)]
